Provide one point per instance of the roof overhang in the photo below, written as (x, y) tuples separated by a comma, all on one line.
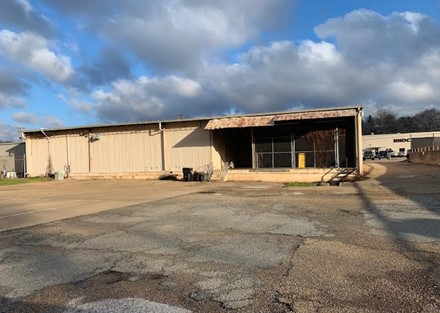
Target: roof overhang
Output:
[(248, 120), (315, 115), (240, 122), (270, 120)]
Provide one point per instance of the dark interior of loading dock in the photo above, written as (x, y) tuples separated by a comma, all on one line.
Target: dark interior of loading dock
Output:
[(321, 143)]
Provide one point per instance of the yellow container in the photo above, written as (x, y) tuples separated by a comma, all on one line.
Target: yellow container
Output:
[(301, 160)]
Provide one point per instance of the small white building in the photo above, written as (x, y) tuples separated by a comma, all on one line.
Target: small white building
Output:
[(400, 142), (12, 158)]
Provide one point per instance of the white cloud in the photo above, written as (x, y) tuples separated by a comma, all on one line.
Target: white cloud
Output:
[(33, 119), (80, 105), (8, 132), (366, 37), (414, 19), (407, 92), (177, 36), (362, 57), (25, 118), (52, 122), (34, 51), (7, 100), (145, 98), (322, 52), (283, 75)]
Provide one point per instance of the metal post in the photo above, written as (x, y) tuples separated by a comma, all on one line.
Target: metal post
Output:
[(314, 154), (292, 150), (24, 165), (337, 147), (273, 154), (89, 145), (254, 158)]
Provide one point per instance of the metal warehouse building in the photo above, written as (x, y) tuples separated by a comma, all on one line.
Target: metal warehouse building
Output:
[(313, 145)]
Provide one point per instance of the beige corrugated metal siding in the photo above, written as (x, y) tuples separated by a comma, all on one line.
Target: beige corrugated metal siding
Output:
[(58, 152), (78, 153), (127, 149), (127, 152), (218, 150), (37, 156), (187, 145)]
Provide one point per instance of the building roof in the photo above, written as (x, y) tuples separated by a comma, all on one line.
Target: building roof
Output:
[(278, 116), (397, 135), (270, 120)]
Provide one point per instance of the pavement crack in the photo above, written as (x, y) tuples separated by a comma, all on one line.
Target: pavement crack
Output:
[(288, 307)]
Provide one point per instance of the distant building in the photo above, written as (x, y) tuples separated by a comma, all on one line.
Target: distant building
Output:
[(310, 145), (12, 156), (400, 141)]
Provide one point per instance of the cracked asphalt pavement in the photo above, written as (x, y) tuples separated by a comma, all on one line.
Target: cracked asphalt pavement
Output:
[(369, 246)]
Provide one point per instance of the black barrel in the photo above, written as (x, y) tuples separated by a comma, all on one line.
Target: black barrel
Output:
[(187, 173)]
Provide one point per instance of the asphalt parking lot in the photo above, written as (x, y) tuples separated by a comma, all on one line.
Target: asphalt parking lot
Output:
[(369, 246)]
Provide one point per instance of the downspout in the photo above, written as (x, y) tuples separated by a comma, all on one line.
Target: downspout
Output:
[(23, 139), (49, 167)]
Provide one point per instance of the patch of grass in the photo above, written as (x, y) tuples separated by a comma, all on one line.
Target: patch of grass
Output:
[(299, 184), (16, 181)]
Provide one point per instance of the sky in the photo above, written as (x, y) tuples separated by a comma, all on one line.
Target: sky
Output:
[(71, 63)]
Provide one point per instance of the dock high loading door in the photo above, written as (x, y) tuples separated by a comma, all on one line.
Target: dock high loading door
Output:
[(285, 147), (320, 143)]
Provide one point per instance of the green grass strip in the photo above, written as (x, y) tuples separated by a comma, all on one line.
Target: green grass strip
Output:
[(16, 181)]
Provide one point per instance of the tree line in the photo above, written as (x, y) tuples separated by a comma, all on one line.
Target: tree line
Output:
[(386, 122)]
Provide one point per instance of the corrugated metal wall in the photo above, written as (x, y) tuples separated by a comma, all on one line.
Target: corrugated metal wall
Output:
[(58, 152), (127, 152), (78, 153), (12, 157), (124, 149), (37, 156), (187, 145)]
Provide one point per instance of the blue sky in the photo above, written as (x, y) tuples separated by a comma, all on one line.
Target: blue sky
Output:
[(66, 63)]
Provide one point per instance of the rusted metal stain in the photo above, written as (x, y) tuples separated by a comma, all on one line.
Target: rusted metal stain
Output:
[(240, 122), (269, 120), (314, 115)]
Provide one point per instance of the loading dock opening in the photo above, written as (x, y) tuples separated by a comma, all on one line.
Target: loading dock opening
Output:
[(305, 144)]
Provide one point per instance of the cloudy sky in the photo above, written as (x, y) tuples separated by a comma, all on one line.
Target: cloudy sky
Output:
[(65, 63)]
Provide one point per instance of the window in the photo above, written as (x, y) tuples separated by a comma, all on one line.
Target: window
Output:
[(272, 152), (320, 149)]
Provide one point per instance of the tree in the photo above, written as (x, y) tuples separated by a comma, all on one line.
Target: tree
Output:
[(405, 124), (369, 125), (427, 120), (386, 122)]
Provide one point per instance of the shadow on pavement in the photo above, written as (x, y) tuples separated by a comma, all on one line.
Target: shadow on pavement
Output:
[(406, 203), (8, 305)]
